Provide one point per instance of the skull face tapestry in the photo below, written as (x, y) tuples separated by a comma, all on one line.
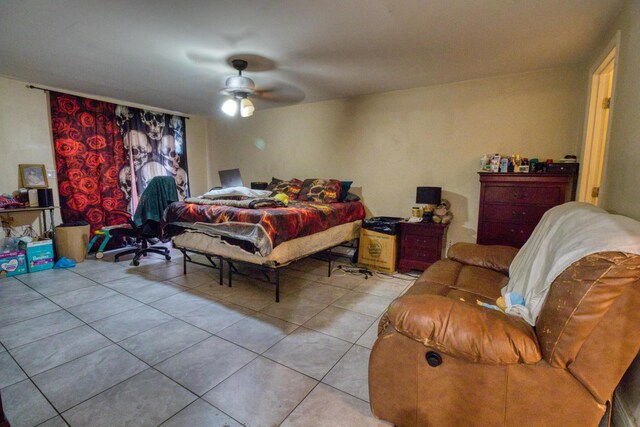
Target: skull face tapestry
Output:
[(156, 146), (102, 148)]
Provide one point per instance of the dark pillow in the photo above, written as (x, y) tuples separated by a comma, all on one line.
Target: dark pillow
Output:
[(320, 190), (350, 197), (291, 188), (344, 189), (273, 183)]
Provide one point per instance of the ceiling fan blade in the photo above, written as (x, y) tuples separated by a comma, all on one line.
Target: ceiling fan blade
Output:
[(281, 93)]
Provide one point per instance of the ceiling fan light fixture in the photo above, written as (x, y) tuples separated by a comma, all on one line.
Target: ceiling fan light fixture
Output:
[(246, 107), (230, 107)]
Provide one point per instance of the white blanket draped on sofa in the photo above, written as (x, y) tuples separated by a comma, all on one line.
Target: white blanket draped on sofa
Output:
[(564, 235)]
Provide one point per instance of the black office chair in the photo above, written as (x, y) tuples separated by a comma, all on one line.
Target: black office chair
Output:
[(144, 226)]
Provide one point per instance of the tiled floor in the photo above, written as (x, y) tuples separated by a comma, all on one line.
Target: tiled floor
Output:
[(107, 344)]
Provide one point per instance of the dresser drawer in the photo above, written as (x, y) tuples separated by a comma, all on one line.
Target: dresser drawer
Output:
[(506, 233), (551, 195), (519, 214)]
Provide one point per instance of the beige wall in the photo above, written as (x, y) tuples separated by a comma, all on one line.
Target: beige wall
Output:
[(25, 137), (390, 143), (621, 189)]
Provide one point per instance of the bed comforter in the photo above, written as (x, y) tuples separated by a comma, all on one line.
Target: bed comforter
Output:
[(262, 229)]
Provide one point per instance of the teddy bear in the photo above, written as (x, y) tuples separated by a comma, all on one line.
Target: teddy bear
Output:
[(442, 213)]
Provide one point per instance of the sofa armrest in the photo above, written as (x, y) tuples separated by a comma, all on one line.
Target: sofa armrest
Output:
[(459, 329), (495, 257)]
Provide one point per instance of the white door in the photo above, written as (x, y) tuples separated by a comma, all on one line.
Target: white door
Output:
[(597, 130)]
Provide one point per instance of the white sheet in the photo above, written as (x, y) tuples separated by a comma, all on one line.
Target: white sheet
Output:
[(235, 191), (564, 235)]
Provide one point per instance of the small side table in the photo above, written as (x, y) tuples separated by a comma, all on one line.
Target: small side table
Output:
[(421, 244)]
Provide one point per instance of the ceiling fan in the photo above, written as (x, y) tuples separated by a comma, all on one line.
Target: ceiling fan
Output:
[(239, 89)]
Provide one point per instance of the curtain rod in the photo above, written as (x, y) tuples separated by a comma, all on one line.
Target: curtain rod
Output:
[(30, 86)]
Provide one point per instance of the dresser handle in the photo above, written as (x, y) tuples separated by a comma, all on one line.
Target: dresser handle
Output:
[(514, 213)]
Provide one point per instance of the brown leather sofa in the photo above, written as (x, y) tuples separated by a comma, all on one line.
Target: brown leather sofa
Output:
[(442, 360)]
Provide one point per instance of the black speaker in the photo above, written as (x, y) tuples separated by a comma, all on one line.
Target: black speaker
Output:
[(259, 185), (45, 197)]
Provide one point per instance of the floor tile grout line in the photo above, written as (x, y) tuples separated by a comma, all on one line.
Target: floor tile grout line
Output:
[(36, 386), (277, 363), (215, 334), (316, 386), (205, 402), (70, 360), (72, 314), (32, 318), (109, 339), (148, 305), (223, 380), (117, 384)]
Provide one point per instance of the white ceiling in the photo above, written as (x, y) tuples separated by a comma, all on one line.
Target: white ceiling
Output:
[(173, 54)]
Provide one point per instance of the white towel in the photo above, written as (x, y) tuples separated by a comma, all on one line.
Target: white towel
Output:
[(565, 234)]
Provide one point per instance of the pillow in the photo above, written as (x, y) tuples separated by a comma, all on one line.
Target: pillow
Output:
[(344, 189), (350, 197), (274, 181), (291, 188), (320, 190), (234, 192)]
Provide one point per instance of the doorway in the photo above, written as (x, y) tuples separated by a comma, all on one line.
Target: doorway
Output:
[(597, 127)]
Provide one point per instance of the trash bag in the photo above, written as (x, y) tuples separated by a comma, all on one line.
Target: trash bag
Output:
[(383, 224)]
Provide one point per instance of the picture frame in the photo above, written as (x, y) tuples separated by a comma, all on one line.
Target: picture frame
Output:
[(33, 176)]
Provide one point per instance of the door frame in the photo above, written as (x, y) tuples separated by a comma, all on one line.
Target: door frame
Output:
[(592, 111)]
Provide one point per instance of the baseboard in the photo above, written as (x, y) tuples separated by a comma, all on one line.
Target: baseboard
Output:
[(621, 416)]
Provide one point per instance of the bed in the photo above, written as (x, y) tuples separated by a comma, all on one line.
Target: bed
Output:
[(269, 238)]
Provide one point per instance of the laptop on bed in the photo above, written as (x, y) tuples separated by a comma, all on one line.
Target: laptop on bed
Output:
[(230, 178)]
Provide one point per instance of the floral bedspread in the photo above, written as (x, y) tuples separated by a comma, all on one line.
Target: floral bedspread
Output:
[(264, 229)]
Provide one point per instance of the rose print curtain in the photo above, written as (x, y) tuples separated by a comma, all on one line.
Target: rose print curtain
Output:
[(89, 153), (107, 153)]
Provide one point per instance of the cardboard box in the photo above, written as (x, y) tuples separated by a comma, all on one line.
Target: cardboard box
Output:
[(12, 263), (378, 251), (39, 255), (71, 242)]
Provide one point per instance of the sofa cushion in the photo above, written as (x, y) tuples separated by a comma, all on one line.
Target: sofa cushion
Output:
[(469, 282), (463, 330), (495, 257)]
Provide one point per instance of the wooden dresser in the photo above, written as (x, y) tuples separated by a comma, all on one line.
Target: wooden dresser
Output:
[(511, 204), (421, 244)]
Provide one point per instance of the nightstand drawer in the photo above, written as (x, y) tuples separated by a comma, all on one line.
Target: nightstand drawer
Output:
[(421, 244), (414, 242), (523, 195), (424, 255), (421, 229)]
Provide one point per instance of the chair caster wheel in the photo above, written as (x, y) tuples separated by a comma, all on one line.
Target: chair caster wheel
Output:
[(100, 255), (135, 262)]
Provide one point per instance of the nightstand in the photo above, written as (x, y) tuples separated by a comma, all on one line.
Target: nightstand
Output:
[(421, 244)]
